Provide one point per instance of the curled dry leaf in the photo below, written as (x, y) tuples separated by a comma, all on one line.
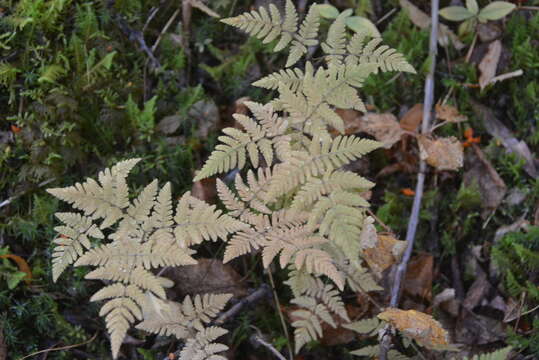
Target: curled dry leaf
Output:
[(379, 251), (352, 121), (411, 120), (205, 190), (488, 65), (418, 326), (449, 113), (441, 153), (384, 127)]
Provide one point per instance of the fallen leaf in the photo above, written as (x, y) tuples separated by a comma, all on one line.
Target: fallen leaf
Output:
[(499, 131), (205, 190), (411, 120), (479, 171), (207, 276), (351, 119), (449, 113), (408, 192), (169, 124), (489, 63), (441, 153), (207, 115), (21, 264), (417, 325), (15, 129), (488, 32), (422, 20), (379, 251), (419, 273), (477, 292), (384, 127), (475, 329)]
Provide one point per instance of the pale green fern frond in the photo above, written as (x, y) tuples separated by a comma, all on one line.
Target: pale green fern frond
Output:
[(137, 276), (291, 78), (74, 238), (323, 156), (315, 188), (197, 221), (129, 254), (106, 199), (307, 36), (335, 45), (121, 311), (203, 347), (386, 58), (8, 74), (365, 326)]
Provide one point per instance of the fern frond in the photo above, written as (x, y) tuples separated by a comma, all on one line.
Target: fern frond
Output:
[(365, 327), (322, 157), (386, 58), (140, 209), (120, 312), (268, 26), (335, 45), (129, 254), (202, 346), (315, 188), (51, 74), (291, 78), (8, 74), (203, 308), (137, 276), (496, 355), (73, 240), (197, 221), (162, 217), (106, 199), (307, 36)]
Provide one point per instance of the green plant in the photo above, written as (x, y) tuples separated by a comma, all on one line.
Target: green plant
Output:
[(471, 14)]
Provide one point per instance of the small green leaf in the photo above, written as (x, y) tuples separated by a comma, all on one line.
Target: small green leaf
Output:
[(495, 10), (456, 13), (328, 11), (14, 279), (361, 24), (472, 6)]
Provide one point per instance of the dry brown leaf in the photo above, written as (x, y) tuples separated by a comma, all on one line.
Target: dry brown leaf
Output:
[(417, 325), (419, 273), (207, 276), (379, 251), (205, 190), (480, 172), (384, 127), (449, 113), (422, 20), (441, 153), (411, 120), (498, 130), (352, 120), (488, 65)]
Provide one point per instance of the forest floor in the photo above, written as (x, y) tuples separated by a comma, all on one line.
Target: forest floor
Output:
[(84, 85)]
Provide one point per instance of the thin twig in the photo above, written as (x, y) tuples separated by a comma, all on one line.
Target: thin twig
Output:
[(414, 217), (258, 339), (165, 28), (259, 294), (12, 198), (60, 348), (281, 317)]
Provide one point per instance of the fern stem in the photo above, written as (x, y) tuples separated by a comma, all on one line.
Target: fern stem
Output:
[(416, 207)]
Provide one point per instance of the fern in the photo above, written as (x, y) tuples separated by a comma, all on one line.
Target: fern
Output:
[(496, 355), (143, 234)]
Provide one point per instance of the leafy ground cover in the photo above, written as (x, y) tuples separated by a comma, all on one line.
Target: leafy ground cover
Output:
[(87, 83)]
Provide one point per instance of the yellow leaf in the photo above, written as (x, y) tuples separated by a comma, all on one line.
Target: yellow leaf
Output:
[(441, 153), (419, 326)]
